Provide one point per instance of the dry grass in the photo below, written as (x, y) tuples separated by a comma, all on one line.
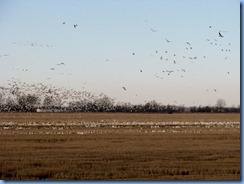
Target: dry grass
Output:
[(121, 117), (123, 155)]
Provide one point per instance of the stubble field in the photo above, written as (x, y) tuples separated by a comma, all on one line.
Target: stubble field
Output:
[(119, 146)]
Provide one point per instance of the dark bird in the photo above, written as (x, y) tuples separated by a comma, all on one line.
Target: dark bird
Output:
[(140, 70), (167, 40), (75, 25), (61, 63), (153, 30), (63, 22), (188, 43), (52, 68), (228, 72), (174, 62), (161, 57), (133, 53), (220, 35), (215, 90), (124, 88), (209, 26)]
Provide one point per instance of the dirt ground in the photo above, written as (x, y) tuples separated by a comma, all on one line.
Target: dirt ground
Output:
[(119, 146)]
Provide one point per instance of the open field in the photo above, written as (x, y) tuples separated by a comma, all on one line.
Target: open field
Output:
[(119, 146), (120, 117)]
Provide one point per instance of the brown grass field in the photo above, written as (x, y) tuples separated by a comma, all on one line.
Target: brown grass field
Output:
[(119, 146)]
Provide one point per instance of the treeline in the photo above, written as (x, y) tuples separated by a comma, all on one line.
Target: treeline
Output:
[(32, 103)]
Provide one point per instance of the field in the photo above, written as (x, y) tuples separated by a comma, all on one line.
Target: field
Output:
[(119, 146)]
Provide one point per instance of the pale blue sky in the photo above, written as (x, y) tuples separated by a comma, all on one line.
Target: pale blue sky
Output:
[(33, 37)]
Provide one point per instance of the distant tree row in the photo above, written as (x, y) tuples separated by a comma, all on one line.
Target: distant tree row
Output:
[(30, 103)]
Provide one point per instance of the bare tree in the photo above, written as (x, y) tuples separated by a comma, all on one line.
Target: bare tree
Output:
[(220, 104)]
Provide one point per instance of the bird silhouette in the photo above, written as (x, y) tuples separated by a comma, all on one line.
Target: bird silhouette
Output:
[(153, 30), (167, 40), (75, 25), (220, 35), (188, 43), (124, 88)]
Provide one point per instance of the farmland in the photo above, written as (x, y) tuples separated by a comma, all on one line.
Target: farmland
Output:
[(119, 146)]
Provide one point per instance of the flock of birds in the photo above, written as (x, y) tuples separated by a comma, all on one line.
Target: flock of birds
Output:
[(173, 58), (165, 56)]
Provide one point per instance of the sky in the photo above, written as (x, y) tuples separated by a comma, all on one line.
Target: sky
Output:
[(170, 51)]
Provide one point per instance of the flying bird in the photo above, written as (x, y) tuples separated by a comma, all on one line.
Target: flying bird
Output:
[(63, 22), (124, 88), (188, 43), (153, 30), (61, 63), (167, 40), (52, 68), (140, 70), (75, 25), (133, 53), (220, 35)]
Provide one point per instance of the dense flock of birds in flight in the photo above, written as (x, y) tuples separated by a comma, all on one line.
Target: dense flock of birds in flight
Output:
[(164, 56)]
